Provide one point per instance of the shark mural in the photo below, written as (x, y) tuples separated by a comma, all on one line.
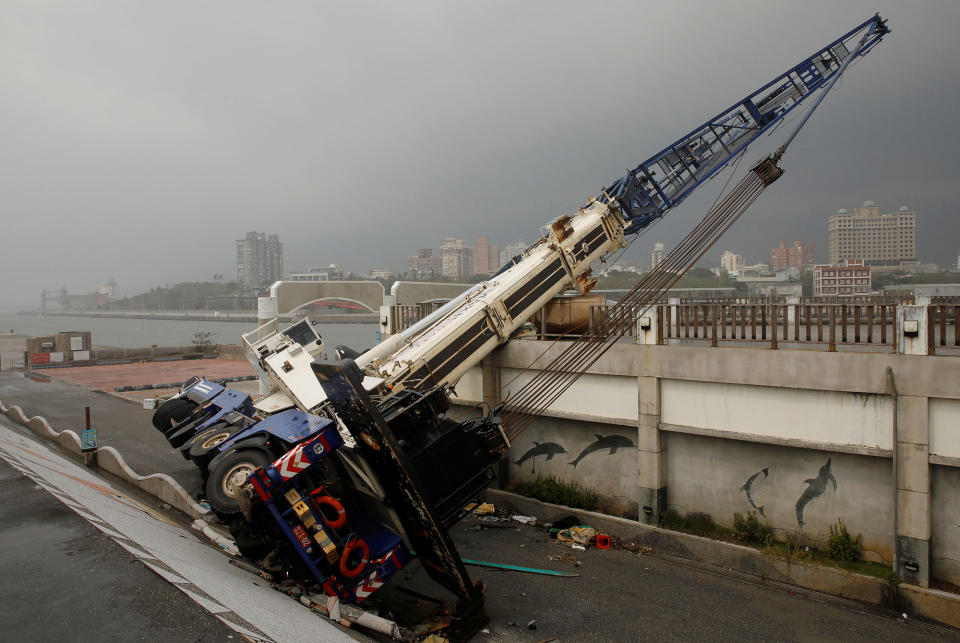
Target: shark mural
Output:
[(611, 442), (816, 487)]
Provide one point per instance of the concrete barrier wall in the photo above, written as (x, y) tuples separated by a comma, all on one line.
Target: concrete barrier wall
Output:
[(721, 476), (770, 413), (808, 433)]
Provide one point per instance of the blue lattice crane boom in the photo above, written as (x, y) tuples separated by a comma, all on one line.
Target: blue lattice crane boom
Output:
[(663, 181)]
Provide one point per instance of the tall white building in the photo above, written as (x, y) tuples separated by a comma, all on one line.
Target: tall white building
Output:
[(456, 259), (259, 261), (510, 251), (872, 237), (731, 262), (656, 255)]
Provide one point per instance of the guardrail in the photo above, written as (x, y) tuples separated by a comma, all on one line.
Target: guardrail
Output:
[(829, 324), (860, 324)]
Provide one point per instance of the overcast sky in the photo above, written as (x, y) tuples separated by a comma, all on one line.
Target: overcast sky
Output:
[(139, 140)]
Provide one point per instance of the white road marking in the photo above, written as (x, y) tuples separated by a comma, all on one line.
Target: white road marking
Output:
[(241, 597)]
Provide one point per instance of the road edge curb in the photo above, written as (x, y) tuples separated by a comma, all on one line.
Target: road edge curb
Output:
[(158, 485)]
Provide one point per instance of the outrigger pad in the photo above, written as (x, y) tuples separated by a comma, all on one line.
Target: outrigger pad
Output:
[(342, 383)]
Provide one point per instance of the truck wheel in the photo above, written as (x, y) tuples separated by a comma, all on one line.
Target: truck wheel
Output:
[(229, 474), (163, 415), (202, 447)]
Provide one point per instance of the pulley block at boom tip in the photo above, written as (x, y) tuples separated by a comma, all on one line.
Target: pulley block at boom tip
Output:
[(660, 183)]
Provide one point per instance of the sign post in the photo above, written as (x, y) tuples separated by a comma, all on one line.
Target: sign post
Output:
[(88, 442)]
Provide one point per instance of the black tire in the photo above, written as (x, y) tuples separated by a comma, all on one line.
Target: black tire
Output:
[(189, 422), (227, 474), (161, 417), (202, 447)]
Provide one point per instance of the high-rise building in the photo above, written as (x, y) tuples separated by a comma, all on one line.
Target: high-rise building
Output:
[(456, 259), (510, 251), (481, 256), (731, 262), (801, 255), (423, 265), (259, 261), (656, 255), (874, 238)]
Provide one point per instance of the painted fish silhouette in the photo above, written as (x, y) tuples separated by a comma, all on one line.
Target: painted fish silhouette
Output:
[(816, 488), (748, 488), (548, 449), (612, 442)]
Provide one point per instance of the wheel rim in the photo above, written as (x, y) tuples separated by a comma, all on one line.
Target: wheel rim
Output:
[(214, 440), (236, 477)]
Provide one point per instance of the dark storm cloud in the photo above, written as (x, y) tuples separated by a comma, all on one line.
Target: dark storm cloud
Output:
[(140, 140)]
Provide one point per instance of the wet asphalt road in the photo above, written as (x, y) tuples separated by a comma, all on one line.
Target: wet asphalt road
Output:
[(120, 424), (619, 596), (65, 580)]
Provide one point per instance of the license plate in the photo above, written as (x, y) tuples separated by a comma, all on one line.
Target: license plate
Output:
[(302, 536)]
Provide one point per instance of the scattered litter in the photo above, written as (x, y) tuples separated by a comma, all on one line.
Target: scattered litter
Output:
[(485, 509), (526, 520), (567, 558), (582, 535), (603, 541), (578, 547), (165, 506), (511, 623), (485, 630), (532, 625)]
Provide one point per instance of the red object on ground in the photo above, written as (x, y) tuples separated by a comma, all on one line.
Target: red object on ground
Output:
[(603, 541)]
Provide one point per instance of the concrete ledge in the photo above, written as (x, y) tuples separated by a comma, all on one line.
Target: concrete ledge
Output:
[(855, 449), (932, 603), (158, 485)]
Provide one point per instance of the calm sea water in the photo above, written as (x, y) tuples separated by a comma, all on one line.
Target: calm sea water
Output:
[(138, 333)]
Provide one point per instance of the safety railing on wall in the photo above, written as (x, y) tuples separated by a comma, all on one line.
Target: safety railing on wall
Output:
[(942, 326), (809, 323)]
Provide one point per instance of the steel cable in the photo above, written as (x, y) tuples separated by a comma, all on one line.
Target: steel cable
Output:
[(545, 388)]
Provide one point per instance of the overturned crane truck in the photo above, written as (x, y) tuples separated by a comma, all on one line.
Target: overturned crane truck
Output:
[(372, 470)]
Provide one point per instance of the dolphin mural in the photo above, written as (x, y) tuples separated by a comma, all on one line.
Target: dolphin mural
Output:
[(816, 487), (612, 442), (748, 488), (548, 449)]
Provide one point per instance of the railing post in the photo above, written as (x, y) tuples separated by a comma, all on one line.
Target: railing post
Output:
[(773, 330), (833, 328), (713, 324)]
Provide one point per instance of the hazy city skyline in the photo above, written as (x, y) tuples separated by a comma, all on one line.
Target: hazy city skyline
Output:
[(141, 145)]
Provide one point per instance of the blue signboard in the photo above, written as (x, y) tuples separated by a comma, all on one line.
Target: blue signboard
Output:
[(88, 440)]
